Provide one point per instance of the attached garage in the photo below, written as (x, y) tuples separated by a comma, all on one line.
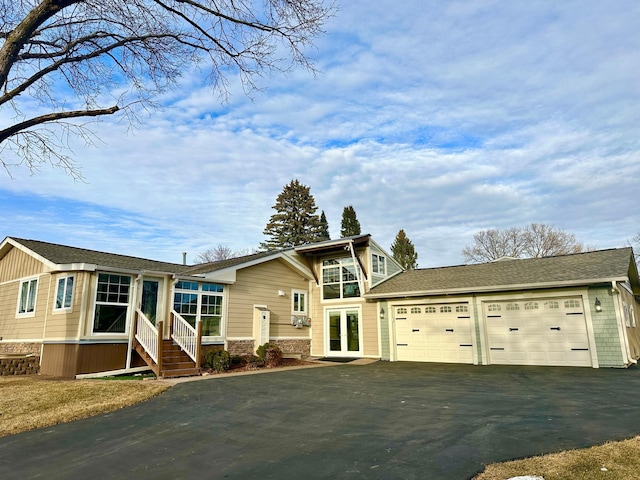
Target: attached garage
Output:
[(434, 333), (537, 332), (574, 310)]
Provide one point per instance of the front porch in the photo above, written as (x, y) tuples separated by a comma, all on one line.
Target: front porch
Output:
[(176, 356)]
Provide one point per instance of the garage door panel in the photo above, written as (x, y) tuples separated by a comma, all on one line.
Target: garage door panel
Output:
[(537, 332), (435, 333)]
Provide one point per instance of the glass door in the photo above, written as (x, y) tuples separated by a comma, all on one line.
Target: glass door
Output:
[(150, 299), (344, 333)]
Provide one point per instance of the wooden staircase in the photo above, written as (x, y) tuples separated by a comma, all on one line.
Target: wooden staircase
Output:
[(174, 362)]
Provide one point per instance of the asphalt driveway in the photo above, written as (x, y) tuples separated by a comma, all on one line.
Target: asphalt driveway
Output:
[(380, 421)]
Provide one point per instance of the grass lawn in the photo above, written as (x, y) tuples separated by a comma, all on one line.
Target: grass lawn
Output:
[(29, 402), (611, 461)]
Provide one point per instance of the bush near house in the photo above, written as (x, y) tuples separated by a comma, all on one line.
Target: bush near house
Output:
[(218, 360), (270, 354)]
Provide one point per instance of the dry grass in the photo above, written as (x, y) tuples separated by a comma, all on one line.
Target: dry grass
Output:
[(30, 402), (611, 461)]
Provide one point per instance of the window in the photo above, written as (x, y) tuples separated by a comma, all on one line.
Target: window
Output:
[(64, 293), (429, 309), (416, 310), (299, 302), (378, 264), (27, 297), (531, 306), (112, 303), (339, 279), (462, 309), (513, 306), (571, 304), (626, 314), (494, 307), (402, 311), (200, 302), (633, 318), (445, 309), (552, 304)]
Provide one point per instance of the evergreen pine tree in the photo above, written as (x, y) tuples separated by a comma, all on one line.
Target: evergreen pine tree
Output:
[(324, 227), (404, 252), (295, 221), (350, 223)]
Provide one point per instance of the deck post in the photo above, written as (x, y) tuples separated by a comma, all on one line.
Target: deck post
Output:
[(160, 346), (198, 343)]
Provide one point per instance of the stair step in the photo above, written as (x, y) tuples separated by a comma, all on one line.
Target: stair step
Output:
[(177, 365), (183, 372)]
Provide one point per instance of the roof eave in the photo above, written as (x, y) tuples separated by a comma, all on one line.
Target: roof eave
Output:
[(495, 288)]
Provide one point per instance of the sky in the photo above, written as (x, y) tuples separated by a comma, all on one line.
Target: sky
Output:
[(442, 118)]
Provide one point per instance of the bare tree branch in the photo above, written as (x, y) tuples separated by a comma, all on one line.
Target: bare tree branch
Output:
[(92, 48)]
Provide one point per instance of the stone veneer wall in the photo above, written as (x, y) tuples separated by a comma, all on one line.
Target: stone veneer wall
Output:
[(19, 366), (18, 347), (240, 347), (294, 346)]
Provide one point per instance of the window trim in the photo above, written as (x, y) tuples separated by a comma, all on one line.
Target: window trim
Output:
[(200, 292), (97, 302), (342, 262), (381, 261), (27, 312), (65, 278), (305, 302)]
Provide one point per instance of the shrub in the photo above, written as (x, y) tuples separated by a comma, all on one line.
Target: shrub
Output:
[(270, 354), (218, 360)]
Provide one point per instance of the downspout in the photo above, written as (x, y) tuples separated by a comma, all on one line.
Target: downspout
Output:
[(136, 305), (623, 324)]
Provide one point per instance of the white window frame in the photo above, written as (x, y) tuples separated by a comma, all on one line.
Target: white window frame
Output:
[(379, 266), (31, 300), (341, 263), (627, 321), (115, 304), (64, 279), (200, 293), (297, 293)]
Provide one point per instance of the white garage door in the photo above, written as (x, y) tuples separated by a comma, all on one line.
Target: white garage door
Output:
[(434, 333), (537, 332)]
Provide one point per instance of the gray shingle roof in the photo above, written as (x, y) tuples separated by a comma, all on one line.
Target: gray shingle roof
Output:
[(62, 254), (502, 275), (231, 262)]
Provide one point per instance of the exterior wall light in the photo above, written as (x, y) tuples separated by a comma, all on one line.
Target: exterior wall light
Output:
[(281, 293), (382, 314), (598, 305)]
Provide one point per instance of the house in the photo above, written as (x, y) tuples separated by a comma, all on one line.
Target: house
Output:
[(84, 312), (571, 310)]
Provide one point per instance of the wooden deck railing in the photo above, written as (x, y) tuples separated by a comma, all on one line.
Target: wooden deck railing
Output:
[(149, 337), (189, 338)]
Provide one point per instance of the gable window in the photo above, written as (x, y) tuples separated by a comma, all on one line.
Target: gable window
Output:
[(112, 303), (200, 302), (299, 302), (339, 279), (64, 293), (378, 264), (27, 297)]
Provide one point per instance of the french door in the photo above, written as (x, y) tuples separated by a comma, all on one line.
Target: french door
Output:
[(344, 332)]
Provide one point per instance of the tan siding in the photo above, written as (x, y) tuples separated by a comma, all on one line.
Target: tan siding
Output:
[(65, 324), (26, 327), (370, 329), (17, 264), (259, 285)]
